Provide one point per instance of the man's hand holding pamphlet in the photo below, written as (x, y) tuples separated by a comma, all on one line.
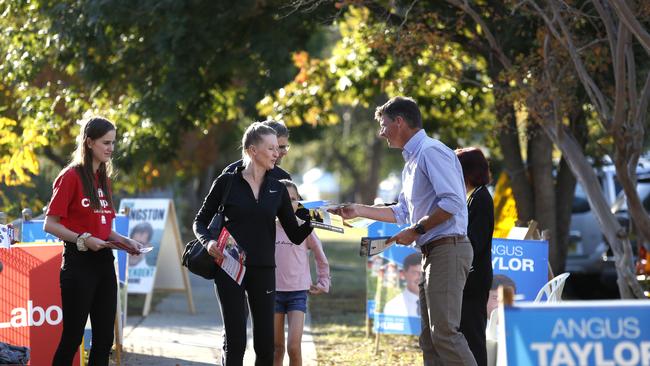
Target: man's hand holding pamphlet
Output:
[(372, 246), (319, 216)]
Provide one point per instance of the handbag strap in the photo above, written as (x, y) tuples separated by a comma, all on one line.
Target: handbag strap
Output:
[(211, 227), (227, 192)]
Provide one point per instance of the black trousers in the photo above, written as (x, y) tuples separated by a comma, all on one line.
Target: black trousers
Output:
[(473, 318), (259, 285), (88, 287)]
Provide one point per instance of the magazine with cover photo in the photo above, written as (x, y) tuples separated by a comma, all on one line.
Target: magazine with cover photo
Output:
[(233, 256)]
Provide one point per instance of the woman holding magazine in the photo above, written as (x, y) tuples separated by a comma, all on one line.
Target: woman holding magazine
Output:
[(293, 283), (81, 214), (254, 201)]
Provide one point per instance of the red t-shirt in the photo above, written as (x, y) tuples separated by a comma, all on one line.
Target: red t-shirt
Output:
[(73, 207)]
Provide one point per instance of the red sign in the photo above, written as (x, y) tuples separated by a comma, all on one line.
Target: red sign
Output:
[(30, 306)]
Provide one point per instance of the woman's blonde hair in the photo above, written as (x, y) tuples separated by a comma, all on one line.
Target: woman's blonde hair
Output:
[(253, 136)]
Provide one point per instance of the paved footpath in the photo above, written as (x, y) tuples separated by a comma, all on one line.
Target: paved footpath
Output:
[(171, 336)]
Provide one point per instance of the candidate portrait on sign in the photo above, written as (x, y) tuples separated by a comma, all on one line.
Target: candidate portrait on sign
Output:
[(407, 302)]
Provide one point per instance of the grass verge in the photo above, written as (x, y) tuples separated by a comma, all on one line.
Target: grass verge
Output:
[(338, 318)]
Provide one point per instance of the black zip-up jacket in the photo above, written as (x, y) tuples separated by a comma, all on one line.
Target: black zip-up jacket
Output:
[(251, 222), (480, 214)]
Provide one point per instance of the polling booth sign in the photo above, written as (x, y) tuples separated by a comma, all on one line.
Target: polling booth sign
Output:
[(375, 263), (153, 222), (392, 285), (30, 307), (32, 233), (525, 262), (396, 298), (121, 226), (605, 333)]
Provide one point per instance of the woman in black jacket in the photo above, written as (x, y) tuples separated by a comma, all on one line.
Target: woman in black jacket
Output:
[(254, 201), (480, 227)]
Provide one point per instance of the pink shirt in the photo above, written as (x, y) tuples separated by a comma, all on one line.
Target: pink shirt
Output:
[(292, 263)]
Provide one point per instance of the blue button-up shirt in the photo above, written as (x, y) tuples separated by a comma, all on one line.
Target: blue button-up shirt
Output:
[(432, 178)]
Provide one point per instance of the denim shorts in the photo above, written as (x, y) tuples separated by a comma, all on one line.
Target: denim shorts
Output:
[(286, 301)]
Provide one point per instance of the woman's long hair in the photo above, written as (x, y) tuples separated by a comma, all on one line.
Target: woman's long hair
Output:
[(82, 161)]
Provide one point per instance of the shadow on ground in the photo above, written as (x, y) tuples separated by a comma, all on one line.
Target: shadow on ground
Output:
[(134, 359)]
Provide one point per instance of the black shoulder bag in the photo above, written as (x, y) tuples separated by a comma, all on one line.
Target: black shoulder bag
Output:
[(195, 255)]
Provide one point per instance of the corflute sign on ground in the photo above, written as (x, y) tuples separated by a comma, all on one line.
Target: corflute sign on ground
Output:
[(604, 333), (525, 262), (30, 307)]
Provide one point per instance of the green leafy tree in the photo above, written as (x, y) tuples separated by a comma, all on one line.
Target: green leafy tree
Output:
[(342, 90), (178, 77)]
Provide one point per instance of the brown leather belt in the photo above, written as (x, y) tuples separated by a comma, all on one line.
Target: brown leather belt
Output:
[(427, 247)]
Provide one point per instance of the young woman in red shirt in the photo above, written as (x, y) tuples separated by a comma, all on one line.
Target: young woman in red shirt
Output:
[(81, 214)]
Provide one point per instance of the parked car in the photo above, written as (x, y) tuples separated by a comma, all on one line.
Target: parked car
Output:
[(589, 257)]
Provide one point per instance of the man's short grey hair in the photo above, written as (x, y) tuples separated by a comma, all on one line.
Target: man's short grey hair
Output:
[(404, 107), (280, 129)]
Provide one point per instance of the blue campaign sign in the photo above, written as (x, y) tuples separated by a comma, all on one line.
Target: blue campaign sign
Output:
[(525, 262), (378, 229), (397, 253), (577, 333), (393, 305), (32, 232), (121, 226), (389, 324)]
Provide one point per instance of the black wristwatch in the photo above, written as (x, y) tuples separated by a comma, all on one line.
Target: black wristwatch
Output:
[(419, 228)]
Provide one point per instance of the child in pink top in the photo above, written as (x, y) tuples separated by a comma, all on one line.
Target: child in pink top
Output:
[(293, 282)]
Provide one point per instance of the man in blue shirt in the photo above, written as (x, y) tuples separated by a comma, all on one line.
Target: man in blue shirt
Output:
[(432, 201)]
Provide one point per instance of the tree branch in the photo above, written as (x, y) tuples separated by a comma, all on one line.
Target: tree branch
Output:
[(49, 153), (626, 15), (610, 27), (406, 14), (642, 107), (631, 79), (565, 38), (619, 80), (494, 45)]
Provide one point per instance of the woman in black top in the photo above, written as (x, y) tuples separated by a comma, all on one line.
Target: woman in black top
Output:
[(254, 201), (480, 226)]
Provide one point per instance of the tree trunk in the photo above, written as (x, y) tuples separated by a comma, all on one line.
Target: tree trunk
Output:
[(565, 185), (508, 137), (374, 159), (612, 230), (540, 164)]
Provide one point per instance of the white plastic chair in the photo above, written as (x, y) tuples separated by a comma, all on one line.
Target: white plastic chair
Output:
[(491, 343), (553, 289)]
